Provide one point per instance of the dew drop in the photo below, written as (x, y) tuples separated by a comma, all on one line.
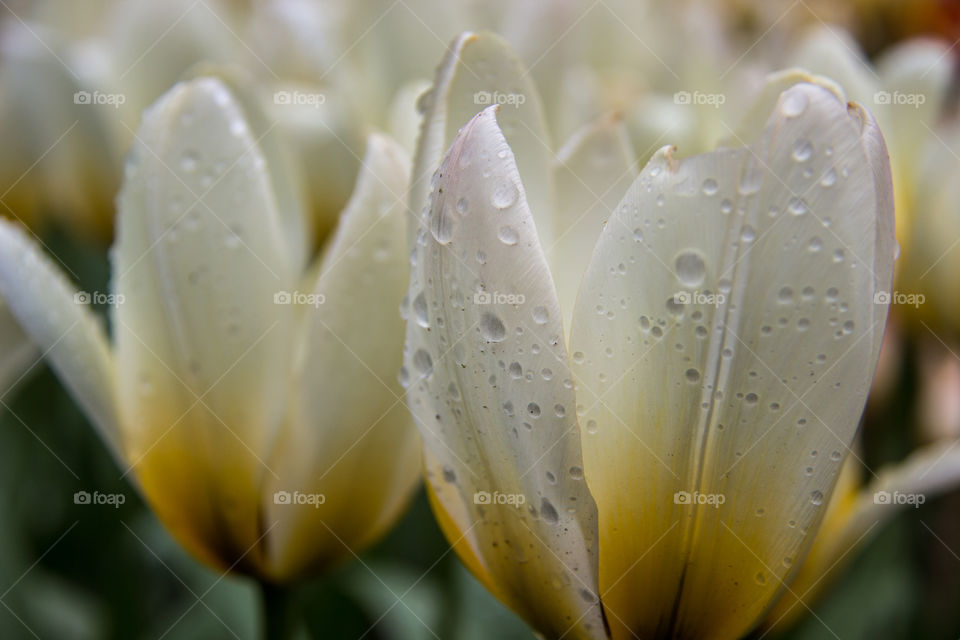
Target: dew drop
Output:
[(441, 226), (189, 160), (504, 194), (690, 268), (548, 512), (692, 375), (540, 315), (423, 362), (710, 186), (816, 498), (491, 327), (793, 102), (751, 182), (420, 311), (829, 178), (507, 235), (797, 206), (463, 206), (802, 150)]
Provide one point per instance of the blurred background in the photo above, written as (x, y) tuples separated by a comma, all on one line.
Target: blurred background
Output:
[(78, 571)]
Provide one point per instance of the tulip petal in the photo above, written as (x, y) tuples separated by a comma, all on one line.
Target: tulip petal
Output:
[(17, 353), (350, 437), (203, 347), (593, 171), (480, 69), (832, 51), (854, 517), (284, 173), (916, 78), (723, 344), (489, 385), (62, 326)]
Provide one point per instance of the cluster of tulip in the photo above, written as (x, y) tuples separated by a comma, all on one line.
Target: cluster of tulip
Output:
[(630, 374)]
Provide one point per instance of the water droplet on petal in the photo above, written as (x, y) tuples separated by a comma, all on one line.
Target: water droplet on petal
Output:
[(420, 310), (189, 160), (797, 206), (829, 178), (802, 150), (491, 327), (504, 194), (690, 268), (507, 235), (793, 102)]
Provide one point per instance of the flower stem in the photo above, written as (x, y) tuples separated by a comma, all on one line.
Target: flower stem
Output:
[(281, 615)]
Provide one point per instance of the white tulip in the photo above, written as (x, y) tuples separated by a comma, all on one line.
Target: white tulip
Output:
[(661, 472), (251, 395)]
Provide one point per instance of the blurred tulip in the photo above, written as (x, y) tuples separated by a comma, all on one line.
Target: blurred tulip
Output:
[(252, 395)]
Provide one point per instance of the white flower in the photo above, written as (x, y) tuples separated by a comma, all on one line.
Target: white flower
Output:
[(251, 395), (676, 451)]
